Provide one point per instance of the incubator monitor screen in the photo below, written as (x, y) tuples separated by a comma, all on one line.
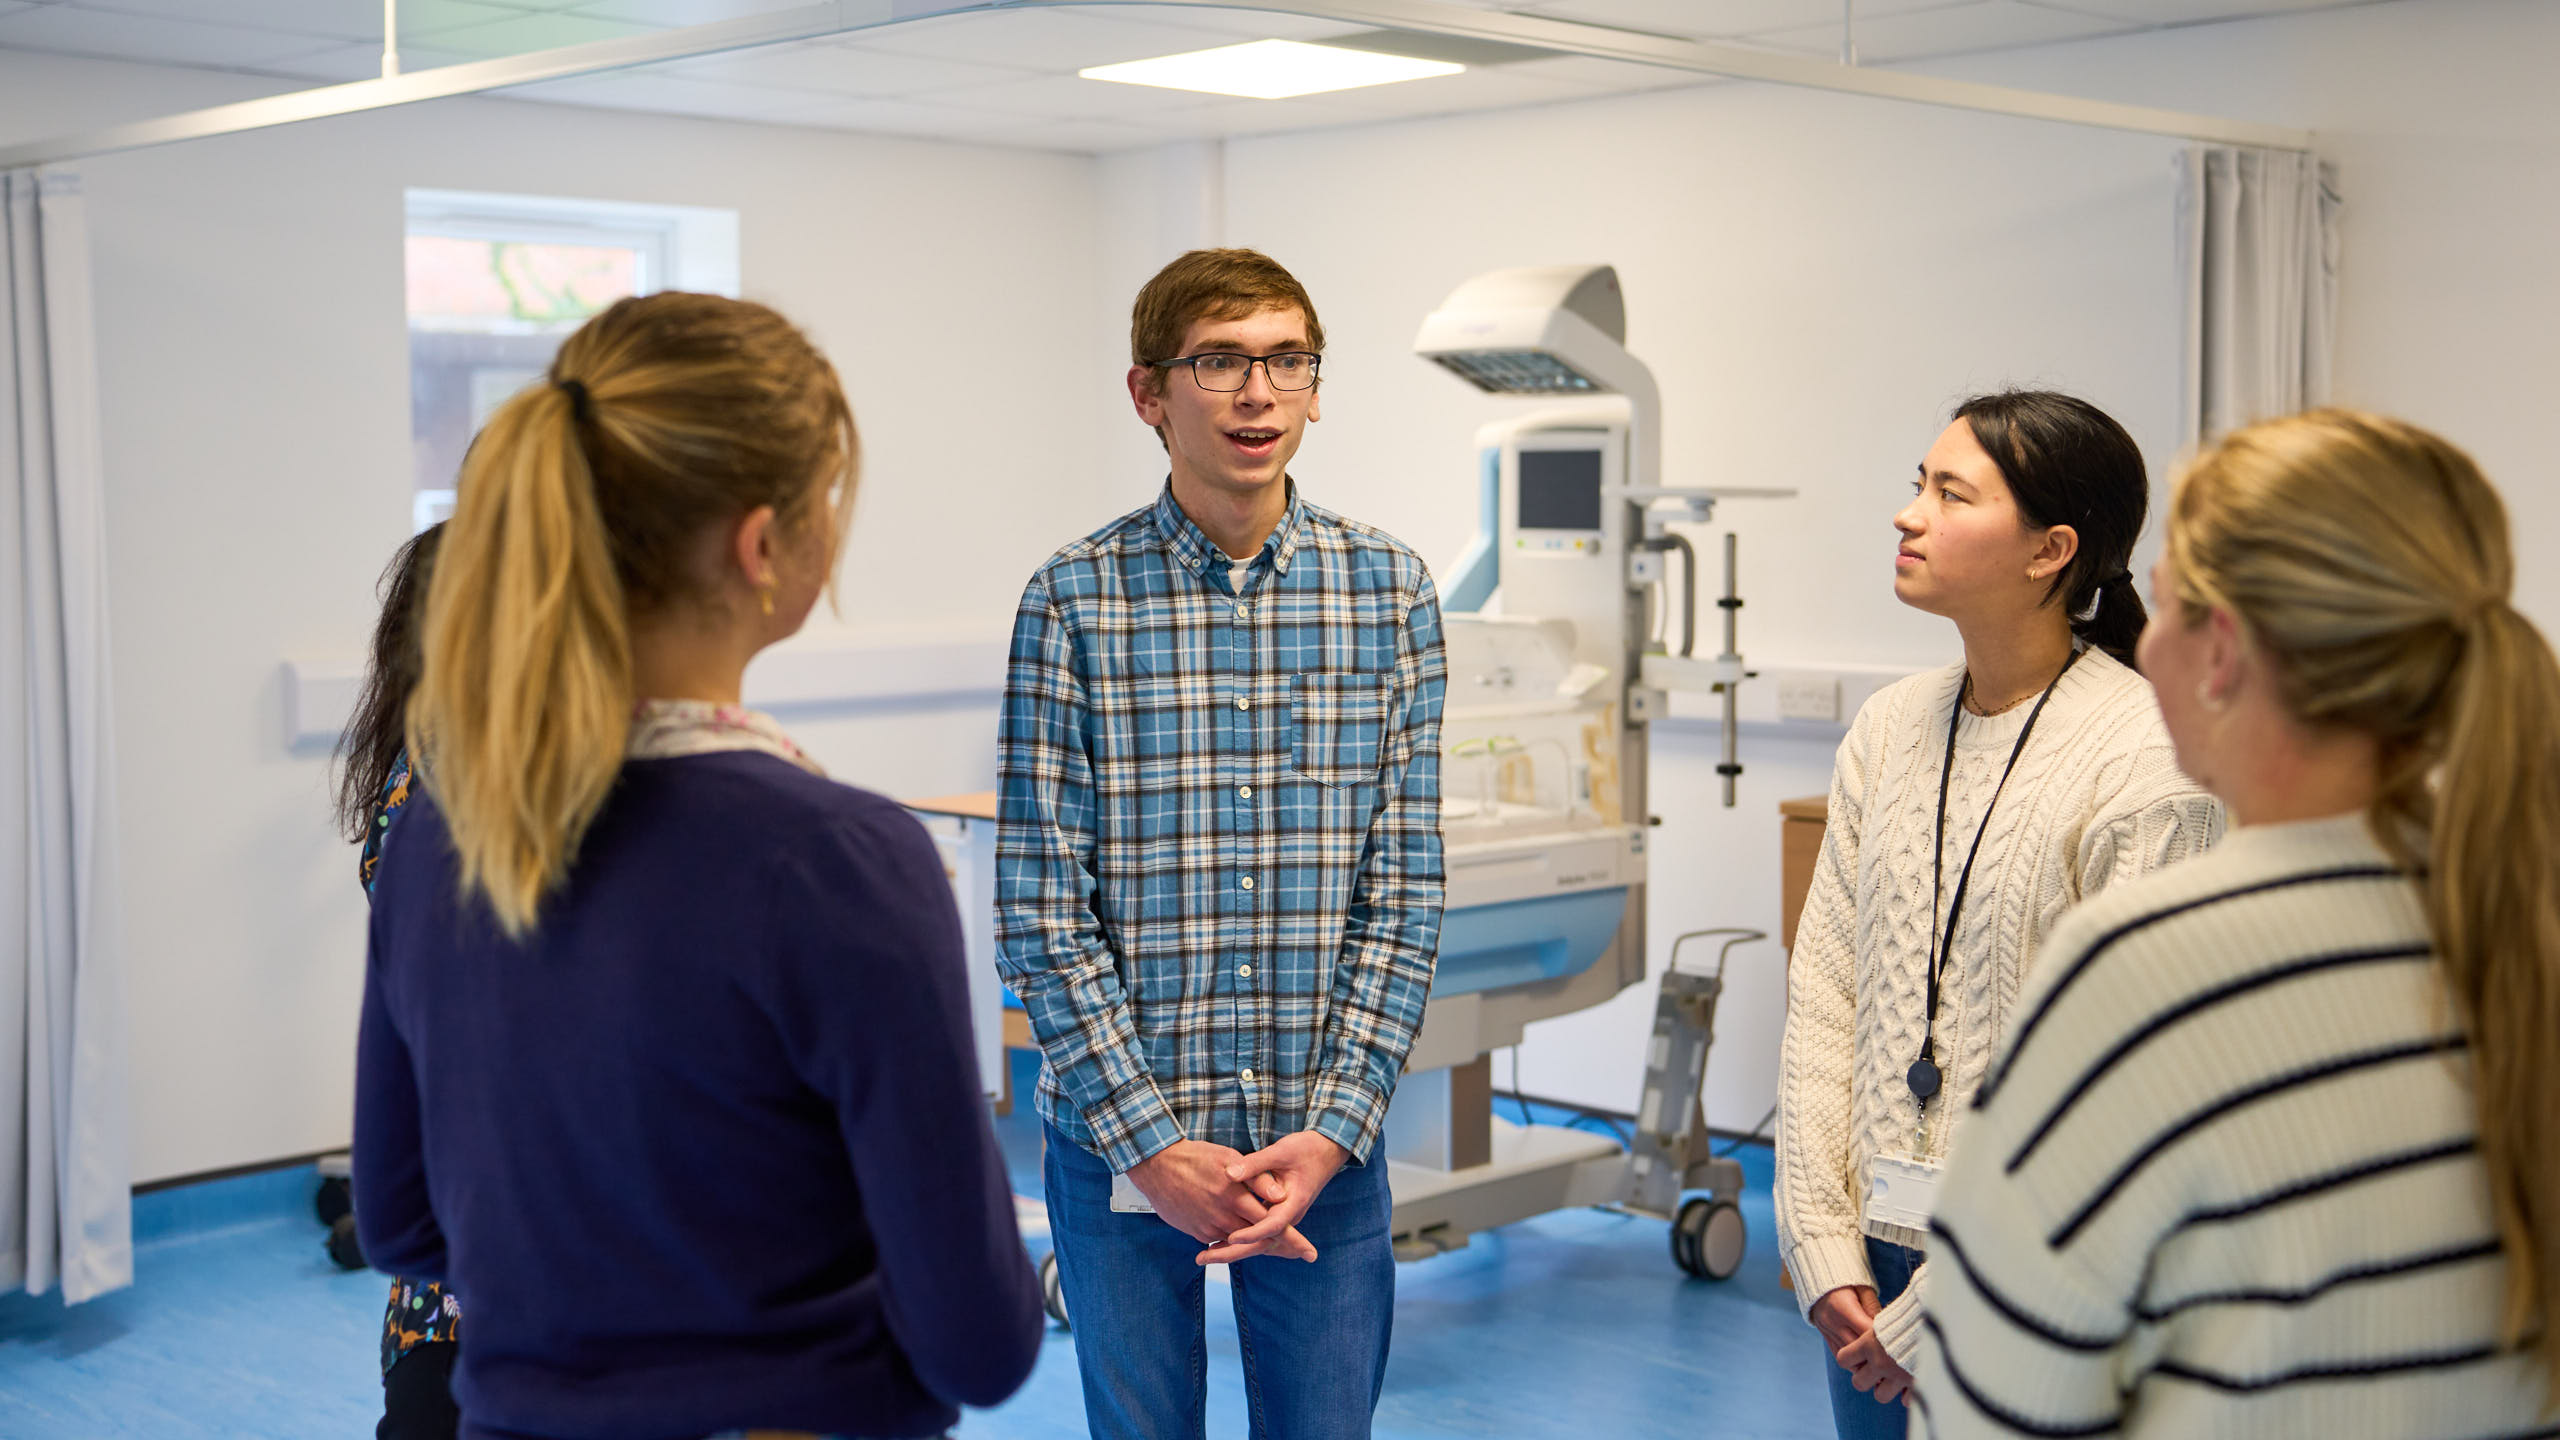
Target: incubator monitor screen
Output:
[(1559, 490)]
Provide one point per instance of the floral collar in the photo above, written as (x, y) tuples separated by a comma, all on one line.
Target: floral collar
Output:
[(665, 729)]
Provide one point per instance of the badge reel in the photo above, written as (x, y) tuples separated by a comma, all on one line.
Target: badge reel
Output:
[(1902, 1192)]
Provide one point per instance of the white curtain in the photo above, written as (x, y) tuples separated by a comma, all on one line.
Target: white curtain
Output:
[(66, 1188), (2258, 260)]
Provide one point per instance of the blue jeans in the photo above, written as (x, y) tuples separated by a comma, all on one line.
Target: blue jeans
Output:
[(1313, 1337), (1855, 1413)]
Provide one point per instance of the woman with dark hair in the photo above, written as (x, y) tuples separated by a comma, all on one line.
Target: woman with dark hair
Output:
[(420, 1326), (373, 753), (1970, 806)]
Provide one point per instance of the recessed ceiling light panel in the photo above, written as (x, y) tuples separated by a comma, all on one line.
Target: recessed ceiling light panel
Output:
[(1271, 70)]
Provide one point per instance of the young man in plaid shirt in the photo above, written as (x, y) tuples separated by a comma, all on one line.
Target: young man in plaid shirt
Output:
[(1219, 881)]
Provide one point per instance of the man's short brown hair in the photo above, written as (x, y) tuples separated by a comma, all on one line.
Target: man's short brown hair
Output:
[(1211, 285)]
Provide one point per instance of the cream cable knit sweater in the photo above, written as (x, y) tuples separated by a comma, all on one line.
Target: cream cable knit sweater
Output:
[(2097, 796)]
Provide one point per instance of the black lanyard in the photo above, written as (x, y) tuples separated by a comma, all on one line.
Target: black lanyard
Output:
[(1923, 1075)]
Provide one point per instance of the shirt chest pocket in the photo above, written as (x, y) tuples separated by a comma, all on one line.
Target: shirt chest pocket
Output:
[(1337, 726)]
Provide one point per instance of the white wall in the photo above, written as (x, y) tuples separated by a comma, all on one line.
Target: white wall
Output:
[(252, 344)]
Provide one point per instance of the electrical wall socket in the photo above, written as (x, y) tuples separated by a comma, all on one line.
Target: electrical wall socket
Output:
[(1809, 695)]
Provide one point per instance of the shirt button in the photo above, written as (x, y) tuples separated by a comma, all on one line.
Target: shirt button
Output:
[(1245, 791), (1243, 611), (1245, 1075), (1248, 882), (1243, 704), (1245, 970)]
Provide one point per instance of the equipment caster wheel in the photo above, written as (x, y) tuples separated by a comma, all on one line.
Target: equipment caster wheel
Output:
[(343, 1249), (332, 1200), (1707, 1239), (1053, 1297)]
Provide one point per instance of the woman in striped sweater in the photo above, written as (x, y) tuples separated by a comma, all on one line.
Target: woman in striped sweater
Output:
[(1970, 807), (2271, 1150)]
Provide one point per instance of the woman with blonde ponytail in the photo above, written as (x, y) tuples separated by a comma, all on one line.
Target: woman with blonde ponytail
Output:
[(664, 1058), (2275, 1149)]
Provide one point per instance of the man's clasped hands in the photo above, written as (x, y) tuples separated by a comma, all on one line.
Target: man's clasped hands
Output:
[(1240, 1205)]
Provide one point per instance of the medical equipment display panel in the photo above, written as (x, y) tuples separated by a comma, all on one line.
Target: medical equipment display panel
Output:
[(1559, 494)]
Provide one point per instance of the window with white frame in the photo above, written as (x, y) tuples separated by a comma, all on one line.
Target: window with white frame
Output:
[(496, 281)]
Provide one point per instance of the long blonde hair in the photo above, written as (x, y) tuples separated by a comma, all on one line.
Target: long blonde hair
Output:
[(581, 505), (2370, 561)]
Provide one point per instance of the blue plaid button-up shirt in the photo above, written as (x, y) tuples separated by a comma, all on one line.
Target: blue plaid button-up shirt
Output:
[(1218, 872)]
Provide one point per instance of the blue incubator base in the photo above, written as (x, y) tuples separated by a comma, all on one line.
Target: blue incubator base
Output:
[(1520, 942)]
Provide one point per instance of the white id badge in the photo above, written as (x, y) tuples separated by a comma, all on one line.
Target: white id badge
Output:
[(1128, 1199), (1902, 1192)]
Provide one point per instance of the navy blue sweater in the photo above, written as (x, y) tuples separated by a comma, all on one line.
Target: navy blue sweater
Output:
[(707, 1149)]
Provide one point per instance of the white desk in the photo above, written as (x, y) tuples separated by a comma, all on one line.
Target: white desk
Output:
[(964, 828)]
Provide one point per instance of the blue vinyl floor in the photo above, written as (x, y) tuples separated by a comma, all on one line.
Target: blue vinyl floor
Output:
[(1570, 1325)]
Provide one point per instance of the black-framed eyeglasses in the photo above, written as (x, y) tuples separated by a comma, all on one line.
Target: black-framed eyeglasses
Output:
[(1225, 371)]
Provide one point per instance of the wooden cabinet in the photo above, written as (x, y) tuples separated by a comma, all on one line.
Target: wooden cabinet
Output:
[(1799, 845)]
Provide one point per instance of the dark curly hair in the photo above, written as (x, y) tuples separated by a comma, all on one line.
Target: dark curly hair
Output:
[(373, 740)]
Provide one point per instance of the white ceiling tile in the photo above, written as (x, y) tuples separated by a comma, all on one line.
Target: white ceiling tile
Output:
[(679, 12), (1953, 30), (524, 34), (669, 95), (1069, 97), (834, 69), (364, 62), (902, 117), (1713, 19), (73, 30), (1080, 137), (1609, 76), (333, 19), (2187, 12), (1487, 88), (429, 17), (1057, 42), (1243, 24)]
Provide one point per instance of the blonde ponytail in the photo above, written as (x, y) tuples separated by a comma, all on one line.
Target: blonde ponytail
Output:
[(2496, 919), (582, 504), (2370, 560), (525, 702)]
